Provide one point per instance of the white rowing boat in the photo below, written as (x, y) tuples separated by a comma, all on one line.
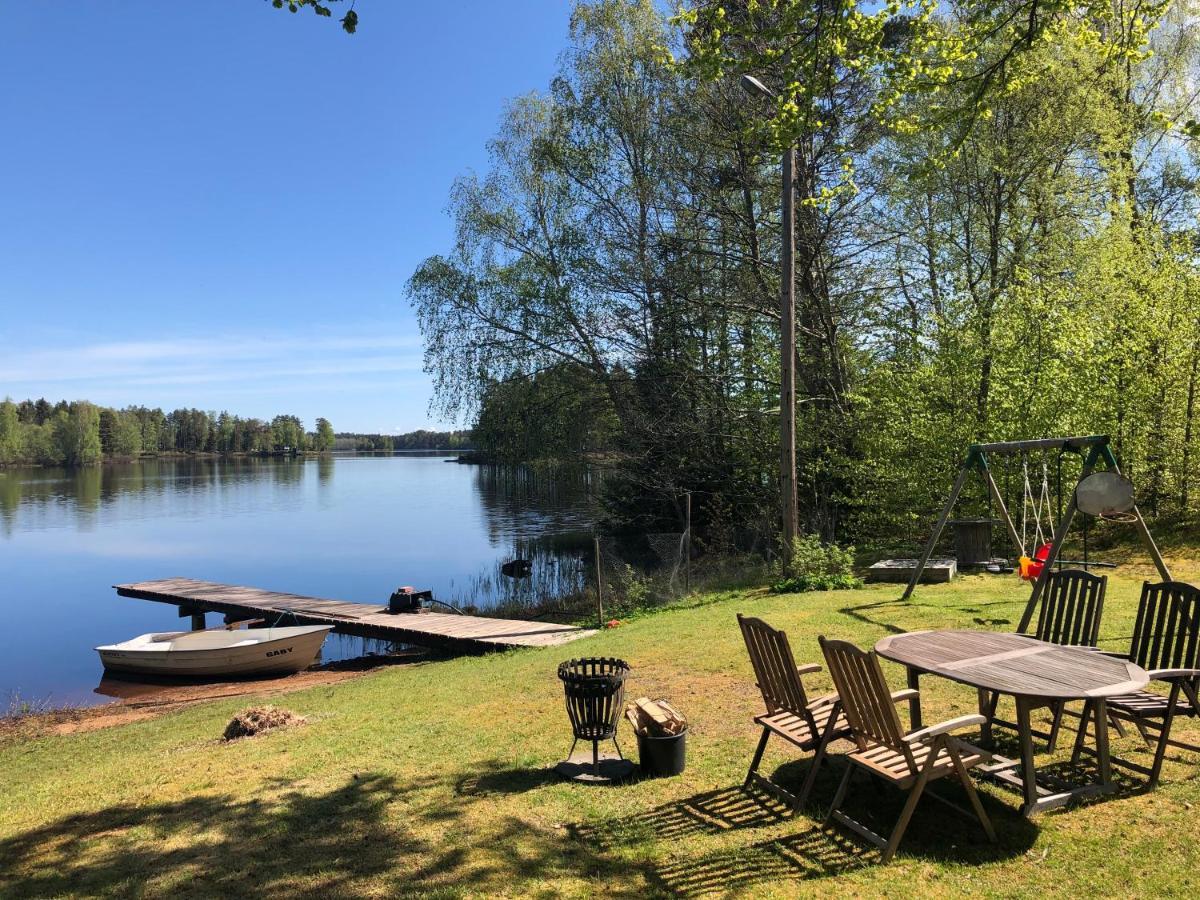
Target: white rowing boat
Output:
[(252, 651)]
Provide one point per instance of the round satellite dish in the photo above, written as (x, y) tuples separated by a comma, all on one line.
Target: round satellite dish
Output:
[(1105, 494)]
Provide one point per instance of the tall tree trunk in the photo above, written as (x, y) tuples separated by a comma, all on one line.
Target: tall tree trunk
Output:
[(1185, 480)]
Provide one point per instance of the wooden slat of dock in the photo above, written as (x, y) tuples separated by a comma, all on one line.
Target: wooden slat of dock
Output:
[(425, 629)]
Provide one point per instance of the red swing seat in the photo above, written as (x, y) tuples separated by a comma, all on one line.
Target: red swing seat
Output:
[(1031, 569)]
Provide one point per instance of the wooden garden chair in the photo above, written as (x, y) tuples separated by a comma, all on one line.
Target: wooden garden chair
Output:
[(1166, 642), (1069, 614), (809, 724), (909, 761)]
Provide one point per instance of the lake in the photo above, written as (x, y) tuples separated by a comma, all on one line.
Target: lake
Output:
[(346, 527)]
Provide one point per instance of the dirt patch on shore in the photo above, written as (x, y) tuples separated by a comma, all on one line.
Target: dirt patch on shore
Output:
[(136, 701)]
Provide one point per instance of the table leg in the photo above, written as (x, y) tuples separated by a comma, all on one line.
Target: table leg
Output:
[(1028, 772), (914, 705), (1101, 706), (985, 710)]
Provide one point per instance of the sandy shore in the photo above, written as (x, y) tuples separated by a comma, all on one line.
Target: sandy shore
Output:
[(134, 701)]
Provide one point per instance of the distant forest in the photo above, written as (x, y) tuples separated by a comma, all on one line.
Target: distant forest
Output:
[(81, 433), (413, 440)]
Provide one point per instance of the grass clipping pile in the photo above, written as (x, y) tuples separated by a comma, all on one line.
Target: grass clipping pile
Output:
[(258, 719)]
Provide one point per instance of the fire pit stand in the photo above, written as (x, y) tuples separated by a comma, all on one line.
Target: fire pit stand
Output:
[(595, 693)]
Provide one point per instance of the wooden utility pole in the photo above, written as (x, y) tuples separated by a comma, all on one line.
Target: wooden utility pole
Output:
[(789, 507), (599, 585), (687, 546), (787, 359)]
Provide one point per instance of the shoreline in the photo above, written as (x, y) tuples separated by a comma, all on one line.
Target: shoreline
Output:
[(167, 454), (213, 455), (135, 701)]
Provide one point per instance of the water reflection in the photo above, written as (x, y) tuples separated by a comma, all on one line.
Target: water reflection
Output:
[(351, 528)]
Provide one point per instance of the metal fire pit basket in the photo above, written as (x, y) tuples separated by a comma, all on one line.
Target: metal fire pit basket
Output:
[(595, 694)]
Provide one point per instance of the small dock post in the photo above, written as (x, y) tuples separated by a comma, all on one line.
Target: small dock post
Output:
[(197, 614)]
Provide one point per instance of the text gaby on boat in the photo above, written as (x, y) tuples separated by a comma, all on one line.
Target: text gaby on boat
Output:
[(253, 651)]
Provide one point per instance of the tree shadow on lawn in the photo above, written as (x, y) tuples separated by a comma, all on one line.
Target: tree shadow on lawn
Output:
[(339, 843), (216, 844)]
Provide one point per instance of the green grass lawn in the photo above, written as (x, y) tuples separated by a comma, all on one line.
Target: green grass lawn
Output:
[(436, 779)]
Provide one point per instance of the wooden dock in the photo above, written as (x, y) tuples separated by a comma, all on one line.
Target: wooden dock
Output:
[(447, 631)]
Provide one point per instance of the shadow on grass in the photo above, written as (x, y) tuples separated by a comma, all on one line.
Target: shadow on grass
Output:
[(934, 832), (711, 812), (858, 612), (813, 850), (494, 777), (347, 842), (229, 844), (867, 612), (817, 852)]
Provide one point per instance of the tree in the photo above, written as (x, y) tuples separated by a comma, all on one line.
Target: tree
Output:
[(10, 434), (324, 439), (287, 434), (1020, 265), (956, 57), (77, 434)]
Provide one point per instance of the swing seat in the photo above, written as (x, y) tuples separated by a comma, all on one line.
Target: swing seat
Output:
[(1031, 569)]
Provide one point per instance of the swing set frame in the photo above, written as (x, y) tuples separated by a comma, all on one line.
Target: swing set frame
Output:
[(1094, 449)]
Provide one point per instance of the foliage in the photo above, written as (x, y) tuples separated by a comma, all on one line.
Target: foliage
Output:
[(77, 434), (349, 21), (557, 413), (816, 566), (81, 433), (999, 243), (941, 64), (798, 584), (323, 440), (421, 439)]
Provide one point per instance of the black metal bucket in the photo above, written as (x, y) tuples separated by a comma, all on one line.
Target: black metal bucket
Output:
[(662, 756)]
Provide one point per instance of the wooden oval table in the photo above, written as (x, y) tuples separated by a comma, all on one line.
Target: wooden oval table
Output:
[(1036, 674)]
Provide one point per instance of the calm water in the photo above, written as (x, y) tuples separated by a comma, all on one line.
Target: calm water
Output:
[(353, 528)]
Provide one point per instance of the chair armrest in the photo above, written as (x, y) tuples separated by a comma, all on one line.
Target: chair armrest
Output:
[(823, 700), (945, 727), (1170, 674), (906, 694), (807, 669)]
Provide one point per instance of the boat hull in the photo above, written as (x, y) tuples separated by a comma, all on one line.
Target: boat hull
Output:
[(210, 654)]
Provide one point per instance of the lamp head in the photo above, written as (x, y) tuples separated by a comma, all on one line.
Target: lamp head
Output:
[(752, 85)]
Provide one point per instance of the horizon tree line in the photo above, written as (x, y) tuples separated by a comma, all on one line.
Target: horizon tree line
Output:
[(74, 433)]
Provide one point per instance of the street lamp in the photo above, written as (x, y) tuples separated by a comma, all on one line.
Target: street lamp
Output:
[(789, 512)]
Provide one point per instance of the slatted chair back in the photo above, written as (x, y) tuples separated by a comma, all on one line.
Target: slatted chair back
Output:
[(1166, 634), (1071, 605), (865, 696), (774, 667)]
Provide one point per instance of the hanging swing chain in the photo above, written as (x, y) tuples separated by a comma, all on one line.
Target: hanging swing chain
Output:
[(1041, 506), (1046, 500)]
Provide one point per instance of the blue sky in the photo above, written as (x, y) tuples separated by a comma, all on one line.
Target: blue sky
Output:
[(216, 204)]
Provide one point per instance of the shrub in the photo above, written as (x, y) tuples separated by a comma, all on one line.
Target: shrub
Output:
[(817, 567)]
